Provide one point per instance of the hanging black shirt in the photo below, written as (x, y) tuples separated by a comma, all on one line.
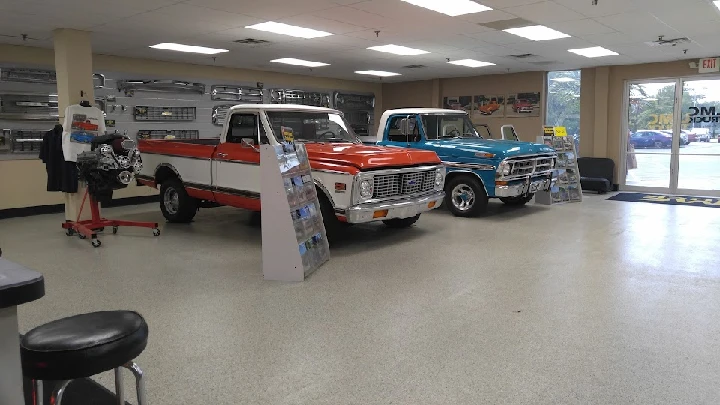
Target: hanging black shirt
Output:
[(61, 175)]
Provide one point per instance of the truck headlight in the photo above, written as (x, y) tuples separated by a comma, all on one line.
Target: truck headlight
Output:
[(366, 188), (552, 163), (439, 178), (504, 168)]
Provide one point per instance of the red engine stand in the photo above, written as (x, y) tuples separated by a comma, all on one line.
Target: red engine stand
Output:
[(88, 228)]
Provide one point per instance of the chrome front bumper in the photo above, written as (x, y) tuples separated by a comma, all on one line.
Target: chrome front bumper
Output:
[(395, 209), (520, 188)]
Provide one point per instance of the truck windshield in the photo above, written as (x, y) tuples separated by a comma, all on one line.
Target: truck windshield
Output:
[(311, 126), (448, 126)]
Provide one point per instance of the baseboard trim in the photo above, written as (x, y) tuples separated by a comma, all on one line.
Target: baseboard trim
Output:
[(57, 208)]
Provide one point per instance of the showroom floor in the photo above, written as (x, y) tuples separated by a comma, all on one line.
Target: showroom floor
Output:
[(602, 302)]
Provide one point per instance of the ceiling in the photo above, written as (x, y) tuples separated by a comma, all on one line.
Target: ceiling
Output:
[(128, 27)]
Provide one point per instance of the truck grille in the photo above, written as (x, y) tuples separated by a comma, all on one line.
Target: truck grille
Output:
[(530, 166), (391, 185)]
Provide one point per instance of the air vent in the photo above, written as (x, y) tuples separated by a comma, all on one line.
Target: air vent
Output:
[(251, 41), (414, 66), (523, 56), (661, 41)]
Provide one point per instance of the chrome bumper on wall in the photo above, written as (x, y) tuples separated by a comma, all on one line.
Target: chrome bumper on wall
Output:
[(395, 209)]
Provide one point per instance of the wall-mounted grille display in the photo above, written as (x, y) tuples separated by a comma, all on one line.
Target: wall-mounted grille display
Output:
[(21, 141), (282, 96), (98, 80), (129, 87), (347, 101), (219, 112), (236, 93), (28, 107), (162, 134), (27, 75), (150, 113)]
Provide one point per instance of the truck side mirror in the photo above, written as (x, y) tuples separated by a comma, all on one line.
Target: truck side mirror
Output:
[(508, 132), (248, 143)]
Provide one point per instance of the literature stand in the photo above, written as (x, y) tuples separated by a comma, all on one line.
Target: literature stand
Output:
[(294, 243), (566, 176)]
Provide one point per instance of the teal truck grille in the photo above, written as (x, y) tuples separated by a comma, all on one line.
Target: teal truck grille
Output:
[(530, 166)]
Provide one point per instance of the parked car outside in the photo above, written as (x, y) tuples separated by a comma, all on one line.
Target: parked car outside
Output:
[(651, 139), (684, 136)]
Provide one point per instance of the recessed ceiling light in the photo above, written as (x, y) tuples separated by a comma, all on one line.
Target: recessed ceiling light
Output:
[(287, 29), (471, 63), (594, 52), (299, 62), (398, 50), (188, 48), (717, 3), (452, 8), (537, 33), (377, 73)]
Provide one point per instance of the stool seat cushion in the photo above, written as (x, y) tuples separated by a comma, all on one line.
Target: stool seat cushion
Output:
[(83, 345)]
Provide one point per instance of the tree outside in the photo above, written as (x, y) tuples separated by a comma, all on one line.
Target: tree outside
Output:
[(563, 102)]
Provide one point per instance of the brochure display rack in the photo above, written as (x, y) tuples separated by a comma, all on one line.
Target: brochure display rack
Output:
[(566, 177), (294, 243)]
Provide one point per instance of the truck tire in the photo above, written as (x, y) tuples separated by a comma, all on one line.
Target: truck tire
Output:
[(398, 223), (517, 201), (332, 224), (175, 203), (465, 196)]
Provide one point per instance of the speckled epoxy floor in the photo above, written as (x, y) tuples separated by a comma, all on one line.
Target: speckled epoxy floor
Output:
[(602, 302)]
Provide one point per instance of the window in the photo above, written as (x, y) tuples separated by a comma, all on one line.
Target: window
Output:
[(311, 126), (395, 129), (563, 102), (448, 126), (242, 126)]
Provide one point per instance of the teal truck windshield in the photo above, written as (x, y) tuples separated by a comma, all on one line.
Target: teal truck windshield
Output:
[(448, 126)]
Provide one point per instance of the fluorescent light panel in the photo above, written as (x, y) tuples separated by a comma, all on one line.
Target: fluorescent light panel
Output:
[(287, 29), (717, 3), (188, 48), (299, 62), (471, 63), (379, 73), (537, 33), (398, 50), (453, 8), (593, 52)]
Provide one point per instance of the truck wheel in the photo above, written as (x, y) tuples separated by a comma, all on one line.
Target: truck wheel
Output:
[(332, 224), (519, 200), (175, 203), (465, 196), (401, 222)]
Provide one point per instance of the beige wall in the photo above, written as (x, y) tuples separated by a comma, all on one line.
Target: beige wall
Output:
[(429, 93), (23, 182)]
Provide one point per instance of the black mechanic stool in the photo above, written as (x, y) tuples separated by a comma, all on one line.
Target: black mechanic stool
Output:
[(81, 346)]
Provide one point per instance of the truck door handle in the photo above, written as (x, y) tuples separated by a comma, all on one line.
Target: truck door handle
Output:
[(222, 155)]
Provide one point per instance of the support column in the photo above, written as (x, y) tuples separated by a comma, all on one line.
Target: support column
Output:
[(600, 136), (73, 68), (436, 101)]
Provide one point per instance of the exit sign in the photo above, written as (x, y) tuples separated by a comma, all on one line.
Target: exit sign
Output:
[(708, 65)]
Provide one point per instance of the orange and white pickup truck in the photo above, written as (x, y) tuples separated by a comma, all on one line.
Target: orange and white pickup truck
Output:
[(355, 183)]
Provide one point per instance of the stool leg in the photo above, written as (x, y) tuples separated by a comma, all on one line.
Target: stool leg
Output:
[(57, 396), (119, 388), (37, 392), (140, 381)]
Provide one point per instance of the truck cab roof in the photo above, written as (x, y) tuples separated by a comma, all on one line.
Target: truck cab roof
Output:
[(282, 107)]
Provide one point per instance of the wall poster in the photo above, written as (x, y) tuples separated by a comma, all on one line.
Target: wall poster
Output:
[(523, 105), (458, 103), (491, 105)]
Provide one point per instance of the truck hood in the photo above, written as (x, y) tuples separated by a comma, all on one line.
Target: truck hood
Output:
[(464, 148), (365, 157)]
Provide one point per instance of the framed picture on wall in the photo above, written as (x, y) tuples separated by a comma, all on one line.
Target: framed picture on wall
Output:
[(458, 103), (488, 106), (523, 105)]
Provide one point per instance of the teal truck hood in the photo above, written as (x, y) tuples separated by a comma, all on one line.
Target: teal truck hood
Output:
[(467, 148)]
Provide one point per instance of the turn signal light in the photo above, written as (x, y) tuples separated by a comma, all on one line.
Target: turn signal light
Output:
[(431, 204), (380, 214), (501, 183)]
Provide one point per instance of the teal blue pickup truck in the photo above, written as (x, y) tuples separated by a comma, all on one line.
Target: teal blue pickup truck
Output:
[(477, 169)]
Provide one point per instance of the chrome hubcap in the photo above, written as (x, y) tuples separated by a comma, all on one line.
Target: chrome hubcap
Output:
[(171, 200), (463, 197)]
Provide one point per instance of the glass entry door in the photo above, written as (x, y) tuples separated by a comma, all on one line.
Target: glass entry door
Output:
[(649, 144)]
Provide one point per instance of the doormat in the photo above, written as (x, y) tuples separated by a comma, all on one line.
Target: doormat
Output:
[(668, 199), (83, 391)]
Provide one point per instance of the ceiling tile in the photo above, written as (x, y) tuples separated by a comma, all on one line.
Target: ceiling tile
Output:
[(582, 27), (545, 12)]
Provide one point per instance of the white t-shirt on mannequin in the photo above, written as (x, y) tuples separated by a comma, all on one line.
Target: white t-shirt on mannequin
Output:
[(81, 125)]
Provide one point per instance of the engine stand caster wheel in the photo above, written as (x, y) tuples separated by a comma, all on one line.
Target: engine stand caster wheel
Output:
[(156, 232), (70, 232), (81, 236), (115, 229), (96, 243)]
